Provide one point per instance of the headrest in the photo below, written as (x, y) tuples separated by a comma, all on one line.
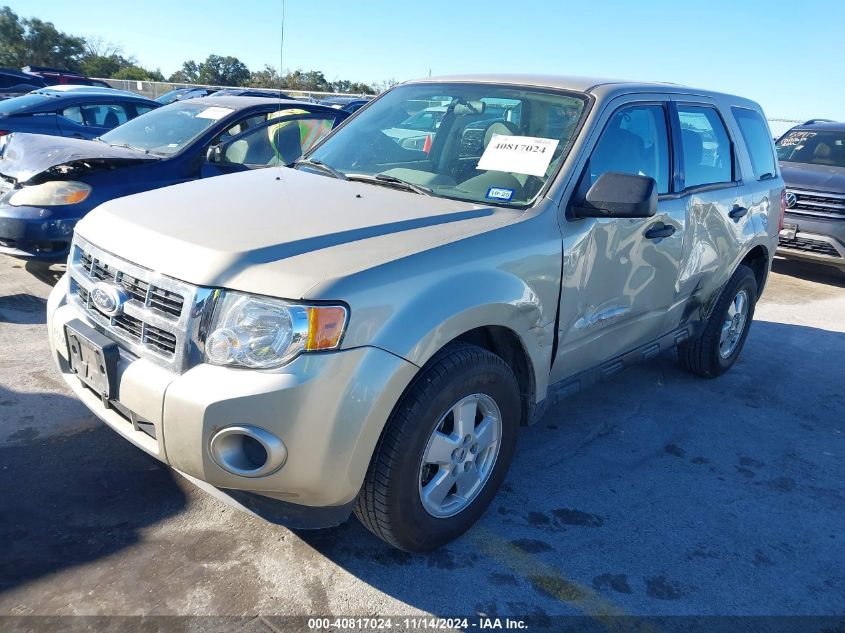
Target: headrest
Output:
[(822, 151)]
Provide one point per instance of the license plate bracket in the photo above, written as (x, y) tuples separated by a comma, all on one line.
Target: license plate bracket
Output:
[(93, 358), (789, 231)]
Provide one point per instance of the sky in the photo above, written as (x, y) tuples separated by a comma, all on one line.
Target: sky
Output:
[(788, 56)]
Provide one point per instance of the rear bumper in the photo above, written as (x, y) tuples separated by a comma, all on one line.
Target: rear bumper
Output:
[(819, 240), (328, 410)]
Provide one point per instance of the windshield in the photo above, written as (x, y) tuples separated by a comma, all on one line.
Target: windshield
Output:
[(479, 142), (168, 129), (16, 104), (815, 148)]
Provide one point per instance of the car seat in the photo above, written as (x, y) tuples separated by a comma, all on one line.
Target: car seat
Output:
[(111, 120), (823, 155), (287, 142)]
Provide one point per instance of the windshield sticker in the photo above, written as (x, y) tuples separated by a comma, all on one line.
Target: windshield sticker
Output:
[(499, 193), (519, 154), (796, 138), (214, 113)]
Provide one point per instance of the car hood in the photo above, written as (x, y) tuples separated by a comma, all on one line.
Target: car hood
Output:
[(40, 157), (279, 231), (813, 177)]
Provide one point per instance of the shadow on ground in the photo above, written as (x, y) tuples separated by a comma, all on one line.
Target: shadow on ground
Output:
[(809, 271), (655, 493), (71, 499), (23, 309), (47, 272)]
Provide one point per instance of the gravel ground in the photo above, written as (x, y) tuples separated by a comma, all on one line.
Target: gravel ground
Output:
[(655, 493)]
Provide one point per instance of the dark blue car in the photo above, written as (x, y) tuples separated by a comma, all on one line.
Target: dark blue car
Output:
[(77, 113), (48, 183), (347, 104), (180, 94), (14, 83)]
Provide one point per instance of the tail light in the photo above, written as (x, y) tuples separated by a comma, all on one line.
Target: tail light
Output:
[(782, 208), (4, 132)]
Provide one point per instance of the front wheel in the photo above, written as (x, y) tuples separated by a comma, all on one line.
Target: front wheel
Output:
[(715, 351), (444, 451)]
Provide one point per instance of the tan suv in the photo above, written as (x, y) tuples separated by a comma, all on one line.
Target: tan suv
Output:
[(368, 330)]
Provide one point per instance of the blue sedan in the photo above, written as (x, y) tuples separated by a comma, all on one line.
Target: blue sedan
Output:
[(76, 113), (49, 183)]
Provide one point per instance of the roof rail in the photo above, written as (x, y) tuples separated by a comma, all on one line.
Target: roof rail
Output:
[(811, 121)]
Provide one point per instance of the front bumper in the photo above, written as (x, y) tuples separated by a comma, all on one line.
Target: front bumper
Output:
[(35, 233), (328, 409), (819, 240)]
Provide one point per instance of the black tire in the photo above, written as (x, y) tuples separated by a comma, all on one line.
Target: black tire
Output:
[(389, 504), (701, 356)]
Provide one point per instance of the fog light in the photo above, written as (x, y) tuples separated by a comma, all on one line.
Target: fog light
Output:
[(247, 451)]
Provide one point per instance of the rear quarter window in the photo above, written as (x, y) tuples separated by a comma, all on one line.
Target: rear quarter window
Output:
[(755, 133)]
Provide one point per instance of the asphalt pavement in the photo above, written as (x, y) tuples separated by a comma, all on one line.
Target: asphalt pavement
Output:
[(654, 493)]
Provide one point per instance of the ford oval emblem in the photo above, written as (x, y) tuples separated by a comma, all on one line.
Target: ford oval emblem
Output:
[(791, 200), (108, 298)]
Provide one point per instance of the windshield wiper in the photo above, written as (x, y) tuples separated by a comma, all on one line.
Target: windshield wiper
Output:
[(321, 166), (391, 181), (128, 146)]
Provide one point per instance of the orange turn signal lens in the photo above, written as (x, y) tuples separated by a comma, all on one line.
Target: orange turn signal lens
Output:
[(325, 327), (76, 196)]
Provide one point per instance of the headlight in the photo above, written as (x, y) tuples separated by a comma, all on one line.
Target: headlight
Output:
[(51, 194), (263, 333)]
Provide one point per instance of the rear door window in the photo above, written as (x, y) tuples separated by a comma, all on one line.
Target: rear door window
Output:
[(758, 140), (707, 151), (97, 115)]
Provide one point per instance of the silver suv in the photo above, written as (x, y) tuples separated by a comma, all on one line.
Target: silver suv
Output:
[(367, 331)]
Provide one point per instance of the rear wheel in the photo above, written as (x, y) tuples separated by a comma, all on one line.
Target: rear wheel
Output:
[(719, 345), (444, 452)]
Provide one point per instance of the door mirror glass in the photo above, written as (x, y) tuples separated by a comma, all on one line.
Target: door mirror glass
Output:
[(618, 195)]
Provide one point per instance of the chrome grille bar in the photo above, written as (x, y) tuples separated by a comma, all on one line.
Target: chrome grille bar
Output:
[(156, 318)]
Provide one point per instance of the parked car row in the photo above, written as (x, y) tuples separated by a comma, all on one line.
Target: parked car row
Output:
[(49, 182), (14, 83), (367, 330)]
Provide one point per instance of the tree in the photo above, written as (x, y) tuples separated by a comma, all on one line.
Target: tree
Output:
[(138, 73), (312, 80), (11, 39), (103, 59), (381, 86), (223, 71), (267, 78), (361, 88), (34, 42), (188, 74)]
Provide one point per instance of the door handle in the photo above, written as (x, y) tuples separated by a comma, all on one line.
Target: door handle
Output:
[(737, 212), (659, 230)]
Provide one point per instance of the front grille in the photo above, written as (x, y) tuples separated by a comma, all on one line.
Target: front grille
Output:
[(818, 203), (156, 314), (809, 246)]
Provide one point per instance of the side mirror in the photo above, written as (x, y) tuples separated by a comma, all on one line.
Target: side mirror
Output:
[(214, 154), (617, 195)]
